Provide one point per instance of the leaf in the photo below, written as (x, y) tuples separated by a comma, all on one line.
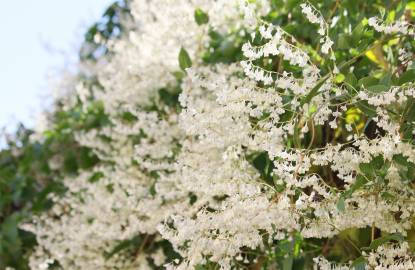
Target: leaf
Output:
[(95, 177), (339, 78), (184, 59), (406, 168), (388, 196), (287, 263), (10, 235), (386, 79), (359, 263), (264, 166), (410, 115), (357, 34), (366, 108), (353, 115), (359, 182), (367, 169), (152, 189), (408, 76), (341, 204), (179, 75), (401, 160), (368, 81), (378, 88), (380, 241), (201, 17), (343, 42), (378, 162), (351, 79), (401, 9), (313, 91), (123, 245), (376, 55)]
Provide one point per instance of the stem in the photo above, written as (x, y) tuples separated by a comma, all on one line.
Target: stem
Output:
[(312, 134), (373, 236)]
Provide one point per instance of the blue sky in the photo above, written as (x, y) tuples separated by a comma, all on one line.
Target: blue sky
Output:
[(38, 37)]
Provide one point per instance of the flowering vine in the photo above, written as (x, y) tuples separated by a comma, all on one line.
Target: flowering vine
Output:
[(232, 143)]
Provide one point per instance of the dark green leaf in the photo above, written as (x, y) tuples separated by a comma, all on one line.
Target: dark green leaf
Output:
[(377, 162), (201, 17)]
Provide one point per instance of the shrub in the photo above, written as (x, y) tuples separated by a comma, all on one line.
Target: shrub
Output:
[(241, 135)]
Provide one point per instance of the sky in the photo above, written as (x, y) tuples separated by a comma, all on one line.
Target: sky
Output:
[(38, 37)]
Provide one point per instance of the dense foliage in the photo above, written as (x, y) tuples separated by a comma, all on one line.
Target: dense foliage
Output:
[(225, 134)]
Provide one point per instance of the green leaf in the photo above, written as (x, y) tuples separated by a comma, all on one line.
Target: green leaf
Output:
[(380, 241), (264, 166), (401, 160), (357, 34), (343, 42), (341, 204), (386, 79), (351, 79), (388, 196), (10, 235), (287, 263), (368, 81), (95, 177), (184, 59), (410, 115), (359, 183), (152, 189), (401, 9), (123, 245), (382, 12), (359, 263), (366, 108), (408, 76), (378, 162), (201, 17), (339, 78), (179, 75), (406, 168), (313, 91), (378, 88), (367, 169)]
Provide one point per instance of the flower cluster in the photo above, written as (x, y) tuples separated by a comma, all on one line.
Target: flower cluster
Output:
[(395, 27), (314, 16)]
